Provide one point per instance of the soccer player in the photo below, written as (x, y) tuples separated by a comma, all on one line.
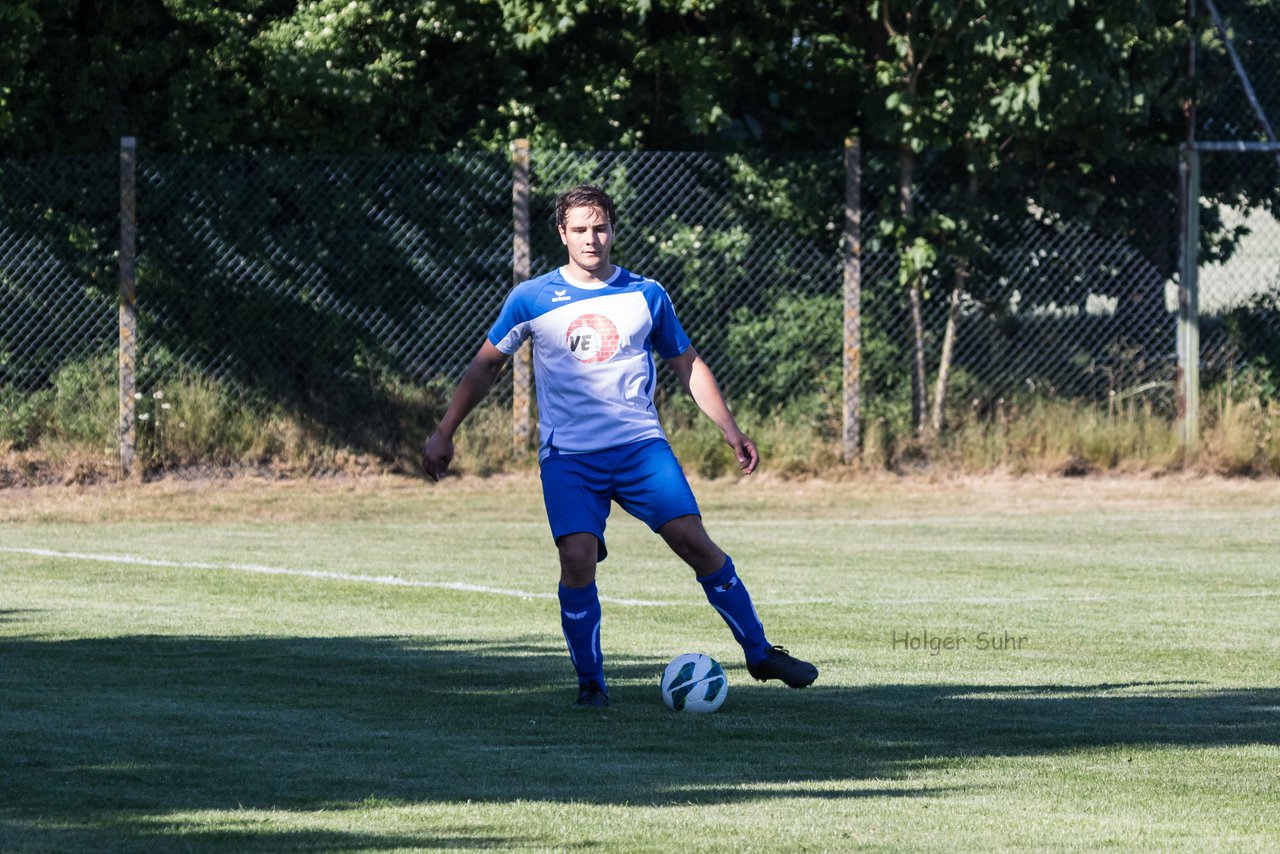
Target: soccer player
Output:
[(595, 329)]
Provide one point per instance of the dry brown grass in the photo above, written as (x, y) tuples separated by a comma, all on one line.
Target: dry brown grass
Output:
[(391, 498)]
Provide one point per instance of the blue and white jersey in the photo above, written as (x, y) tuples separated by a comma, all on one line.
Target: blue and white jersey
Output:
[(593, 346)]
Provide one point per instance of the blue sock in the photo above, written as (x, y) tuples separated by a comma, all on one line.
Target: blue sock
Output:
[(728, 595), (580, 619)]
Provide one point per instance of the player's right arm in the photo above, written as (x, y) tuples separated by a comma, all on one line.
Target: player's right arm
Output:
[(437, 453)]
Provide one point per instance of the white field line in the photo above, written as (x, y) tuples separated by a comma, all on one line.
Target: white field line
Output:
[(394, 581), (390, 580)]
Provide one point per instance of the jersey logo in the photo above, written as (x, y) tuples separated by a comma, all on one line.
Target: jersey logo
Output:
[(592, 339), (560, 297)]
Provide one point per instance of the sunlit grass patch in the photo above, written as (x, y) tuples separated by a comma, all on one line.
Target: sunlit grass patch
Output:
[(188, 703)]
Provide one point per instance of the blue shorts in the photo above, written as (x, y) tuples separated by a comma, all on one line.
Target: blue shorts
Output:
[(643, 477)]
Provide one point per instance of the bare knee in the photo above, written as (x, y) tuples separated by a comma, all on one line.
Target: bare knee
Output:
[(577, 559), (690, 541)]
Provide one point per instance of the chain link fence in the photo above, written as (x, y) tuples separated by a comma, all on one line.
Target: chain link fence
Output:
[(1239, 272), (337, 285), (318, 282), (747, 246), (1238, 64), (59, 228), (1041, 305)]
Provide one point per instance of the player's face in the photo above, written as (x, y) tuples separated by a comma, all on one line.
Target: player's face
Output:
[(588, 236)]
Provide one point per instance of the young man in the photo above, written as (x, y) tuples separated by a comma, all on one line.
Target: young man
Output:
[(595, 328)]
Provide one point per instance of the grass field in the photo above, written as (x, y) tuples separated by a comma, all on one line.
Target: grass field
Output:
[(377, 665)]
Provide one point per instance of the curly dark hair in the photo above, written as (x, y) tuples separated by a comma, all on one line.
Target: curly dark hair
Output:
[(583, 196)]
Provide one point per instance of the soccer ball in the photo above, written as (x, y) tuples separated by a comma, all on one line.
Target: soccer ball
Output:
[(694, 682)]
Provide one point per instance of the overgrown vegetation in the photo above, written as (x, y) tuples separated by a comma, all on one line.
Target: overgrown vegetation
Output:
[(192, 421), (67, 432)]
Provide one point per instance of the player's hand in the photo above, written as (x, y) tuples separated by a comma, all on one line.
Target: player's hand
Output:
[(437, 453), (744, 449)]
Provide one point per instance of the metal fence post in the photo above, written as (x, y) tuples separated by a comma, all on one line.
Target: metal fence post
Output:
[(127, 428), (852, 300), (521, 264), (1189, 300)]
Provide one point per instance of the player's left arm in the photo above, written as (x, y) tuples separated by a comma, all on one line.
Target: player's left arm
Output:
[(698, 380)]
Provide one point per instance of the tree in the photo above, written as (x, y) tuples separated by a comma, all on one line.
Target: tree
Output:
[(359, 76), (200, 75), (995, 93), (1007, 122)]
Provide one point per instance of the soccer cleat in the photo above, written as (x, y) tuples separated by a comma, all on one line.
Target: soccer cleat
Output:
[(591, 696), (781, 665)]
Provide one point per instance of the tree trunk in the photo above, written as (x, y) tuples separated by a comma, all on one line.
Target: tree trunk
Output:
[(949, 335), (919, 383), (948, 347)]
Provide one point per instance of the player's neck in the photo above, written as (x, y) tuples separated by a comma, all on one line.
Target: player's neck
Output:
[(575, 274)]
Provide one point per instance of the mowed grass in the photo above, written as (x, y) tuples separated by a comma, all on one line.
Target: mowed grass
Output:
[(1128, 694)]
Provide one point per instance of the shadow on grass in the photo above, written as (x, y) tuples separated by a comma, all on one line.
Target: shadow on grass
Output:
[(114, 736)]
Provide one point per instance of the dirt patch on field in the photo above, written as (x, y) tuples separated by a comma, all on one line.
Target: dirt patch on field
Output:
[(19, 469), (261, 496), (265, 496)]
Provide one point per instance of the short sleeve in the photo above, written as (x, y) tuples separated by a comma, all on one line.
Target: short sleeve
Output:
[(668, 337), (512, 326)]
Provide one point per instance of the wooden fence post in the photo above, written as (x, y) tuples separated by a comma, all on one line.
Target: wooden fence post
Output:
[(521, 264), (1188, 391), (852, 435), (127, 428)]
